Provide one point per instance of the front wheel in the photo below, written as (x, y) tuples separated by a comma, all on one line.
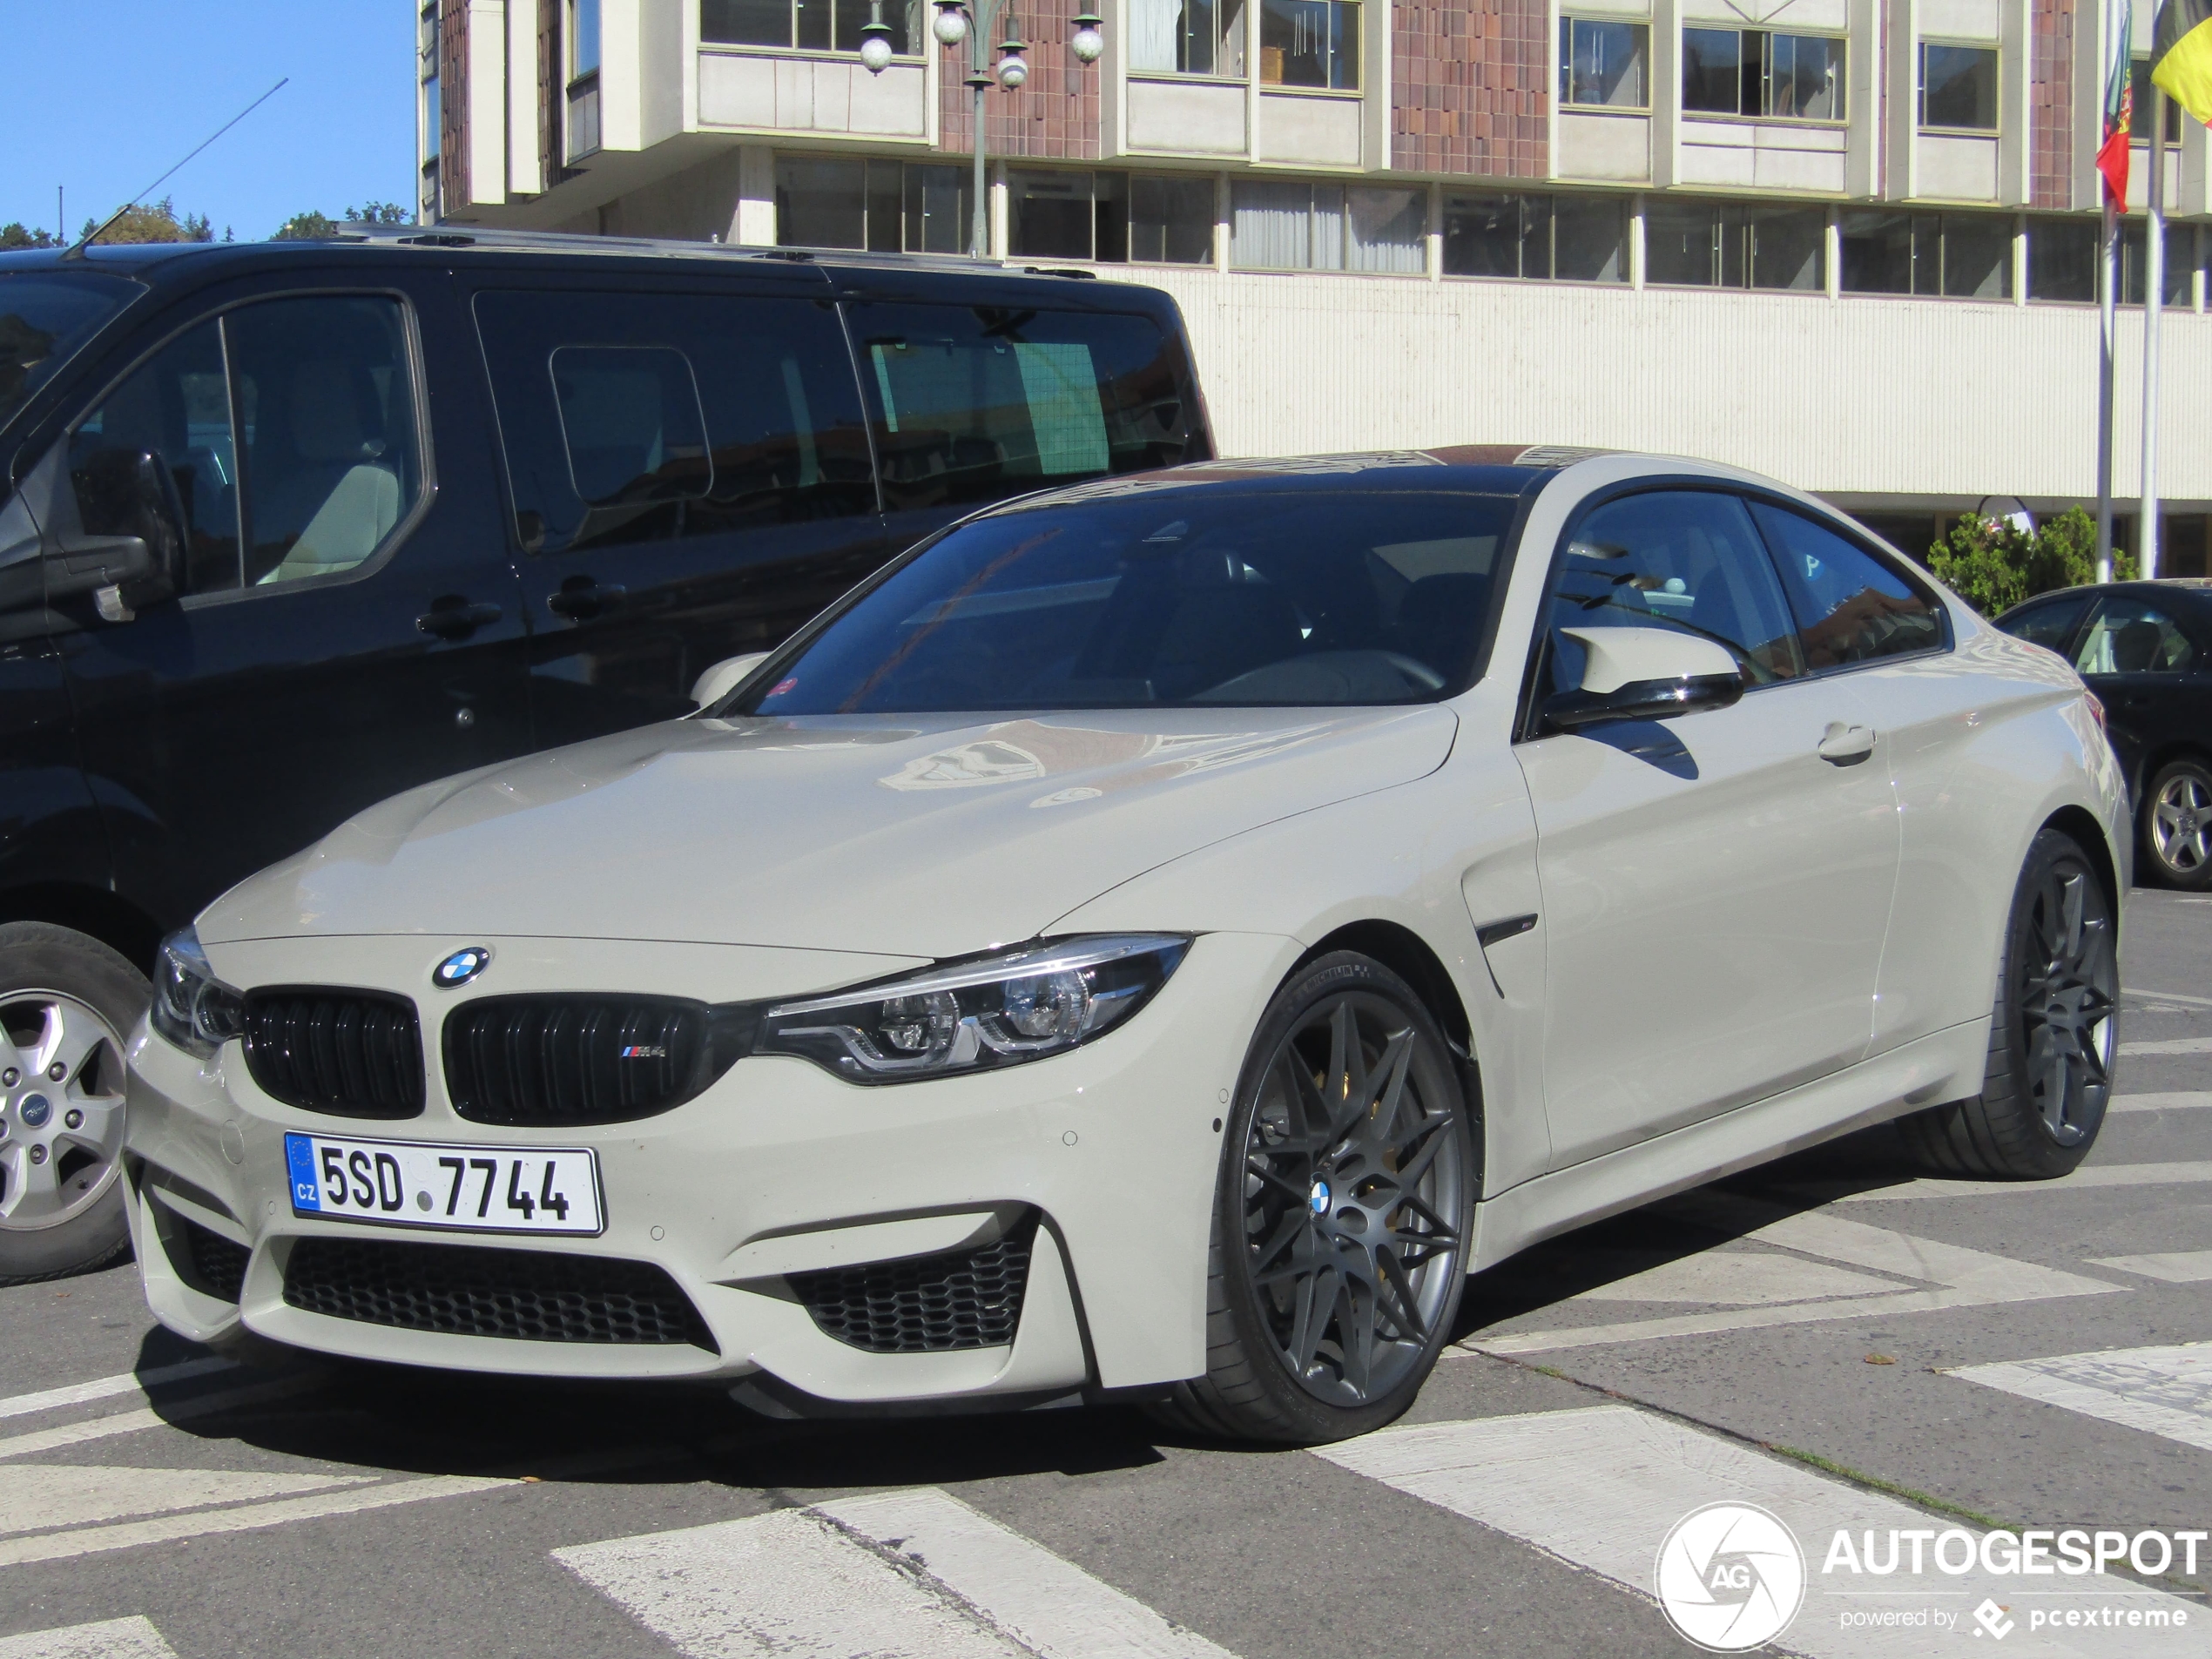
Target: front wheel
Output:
[(2177, 825), (2053, 1035), (1341, 1218), (65, 1002)]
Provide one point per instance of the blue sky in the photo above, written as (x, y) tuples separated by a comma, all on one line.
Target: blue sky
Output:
[(102, 95)]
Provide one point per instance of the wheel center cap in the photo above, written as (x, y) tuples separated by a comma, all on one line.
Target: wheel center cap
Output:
[(1318, 1200), (34, 1109)]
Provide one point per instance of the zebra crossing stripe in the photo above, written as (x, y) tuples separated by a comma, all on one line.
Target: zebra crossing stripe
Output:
[(909, 1575), (110, 1639), (2166, 1392)]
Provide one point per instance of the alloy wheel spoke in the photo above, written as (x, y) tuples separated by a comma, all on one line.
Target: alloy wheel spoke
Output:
[(1313, 1313), (1405, 1305), (32, 1188), (68, 1039), (1356, 1331)]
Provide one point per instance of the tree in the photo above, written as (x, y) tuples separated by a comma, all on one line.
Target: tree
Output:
[(312, 226), (14, 236), (1993, 566), (154, 222)]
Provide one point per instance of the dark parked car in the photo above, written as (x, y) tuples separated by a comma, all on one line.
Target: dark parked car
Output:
[(2146, 649), (285, 528)]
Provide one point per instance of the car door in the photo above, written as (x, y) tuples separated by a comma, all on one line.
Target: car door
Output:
[(343, 628), (2141, 663), (690, 480), (1715, 887)]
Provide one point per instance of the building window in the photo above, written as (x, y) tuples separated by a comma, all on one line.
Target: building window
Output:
[(883, 206), (1170, 221), (2139, 79), (583, 77), (806, 25), (1570, 239), (2062, 258), (1186, 37), (1757, 73), (1068, 216), (1309, 43), (1735, 244), (1602, 62), (1293, 225), (2135, 264), (1960, 256), (1959, 87)]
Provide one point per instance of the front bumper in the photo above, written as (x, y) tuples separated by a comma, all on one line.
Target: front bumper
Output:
[(778, 1168)]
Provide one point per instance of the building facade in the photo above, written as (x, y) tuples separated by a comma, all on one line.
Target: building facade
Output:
[(1852, 243)]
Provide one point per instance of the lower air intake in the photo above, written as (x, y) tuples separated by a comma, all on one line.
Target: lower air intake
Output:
[(205, 1261), (465, 1290), (964, 1299)]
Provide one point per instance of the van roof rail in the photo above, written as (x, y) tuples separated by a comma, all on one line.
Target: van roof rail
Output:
[(449, 234)]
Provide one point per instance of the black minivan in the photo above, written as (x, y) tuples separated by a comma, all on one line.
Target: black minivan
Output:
[(288, 528)]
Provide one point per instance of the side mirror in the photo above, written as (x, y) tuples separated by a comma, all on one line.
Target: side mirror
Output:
[(1644, 674), (724, 677), (128, 544)]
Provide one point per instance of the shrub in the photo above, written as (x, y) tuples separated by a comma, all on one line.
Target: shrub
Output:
[(1992, 566)]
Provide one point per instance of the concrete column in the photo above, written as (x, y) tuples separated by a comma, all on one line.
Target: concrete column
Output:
[(1834, 262), (525, 166), (1863, 91), (752, 221), (2015, 144), (1635, 241), (998, 209), (1434, 241), (1901, 112), (1221, 221), (1665, 91)]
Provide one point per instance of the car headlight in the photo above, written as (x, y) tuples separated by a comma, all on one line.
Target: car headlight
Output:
[(192, 1008), (994, 1011)]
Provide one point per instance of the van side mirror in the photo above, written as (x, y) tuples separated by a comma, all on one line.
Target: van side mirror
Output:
[(1644, 674), (725, 678), (127, 548)]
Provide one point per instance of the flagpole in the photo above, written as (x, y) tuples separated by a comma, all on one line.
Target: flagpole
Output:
[(2153, 297), (2109, 255)]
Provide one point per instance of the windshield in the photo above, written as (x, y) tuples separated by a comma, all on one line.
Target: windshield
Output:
[(1221, 594), (45, 317)]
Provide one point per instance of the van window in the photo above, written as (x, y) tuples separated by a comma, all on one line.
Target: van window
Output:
[(329, 462), (45, 317), (973, 404), (630, 418)]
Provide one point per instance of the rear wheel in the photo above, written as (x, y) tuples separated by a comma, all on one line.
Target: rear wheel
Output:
[(2053, 1035), (66, 1002), (2177, 825), (1342, 1217)]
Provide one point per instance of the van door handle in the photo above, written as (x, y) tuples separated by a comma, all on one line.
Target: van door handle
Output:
[(580, 600), (1846, 746), (454, 617)]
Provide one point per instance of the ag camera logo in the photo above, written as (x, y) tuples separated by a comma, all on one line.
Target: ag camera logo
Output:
[(1730, 1577)]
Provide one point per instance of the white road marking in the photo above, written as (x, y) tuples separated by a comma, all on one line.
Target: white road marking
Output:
[(109, 1639), (2095, 1175), (2169, 1045), (1601, 1486), (2163, 1391), (2176, 1266), (1052, 1606), (91, 1541), (133, 1382), (2171, 996), (1723, 1278), (132, 1422), (41, 1497), (909, 1575), (1961, 1277), (2172, 1099)]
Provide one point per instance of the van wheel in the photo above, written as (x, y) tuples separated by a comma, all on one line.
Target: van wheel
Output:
[(2052, 1034), (2177, 825), (66, 1002), (1341, 1216)]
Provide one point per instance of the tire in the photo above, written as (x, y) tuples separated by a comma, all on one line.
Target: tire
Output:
[(66, 1001), (1314, 1332), (2053, 1035), (2177, 826)]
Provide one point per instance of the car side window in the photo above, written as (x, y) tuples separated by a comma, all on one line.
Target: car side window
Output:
[(633, 418), (175, 407), (2130, 637), (1678, 558), (2049, 624), (1851, 607)]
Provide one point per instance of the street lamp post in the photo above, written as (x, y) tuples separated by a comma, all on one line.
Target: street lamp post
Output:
[(972, 21)]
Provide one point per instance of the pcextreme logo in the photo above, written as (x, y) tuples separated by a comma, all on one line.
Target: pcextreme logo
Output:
[(1730, 1577)]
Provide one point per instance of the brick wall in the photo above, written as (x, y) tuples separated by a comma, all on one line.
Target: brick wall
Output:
[(2050, 111), (1056, 114), (1470, 87), (453, 102)]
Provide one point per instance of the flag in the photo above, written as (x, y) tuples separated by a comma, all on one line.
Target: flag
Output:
[(2120, 98), (2180, 55)]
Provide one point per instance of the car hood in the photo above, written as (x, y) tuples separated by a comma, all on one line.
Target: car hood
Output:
[(926, 836)]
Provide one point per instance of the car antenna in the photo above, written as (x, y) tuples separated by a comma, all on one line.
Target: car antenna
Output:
[(76, 250)]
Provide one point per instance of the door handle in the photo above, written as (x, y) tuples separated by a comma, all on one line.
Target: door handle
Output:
[(1846, 746), (454, 617), (580, 598)]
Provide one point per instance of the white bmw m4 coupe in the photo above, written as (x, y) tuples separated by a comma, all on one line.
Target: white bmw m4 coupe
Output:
[(1151, 942)]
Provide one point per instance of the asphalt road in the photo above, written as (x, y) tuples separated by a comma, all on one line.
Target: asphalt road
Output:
[(1827, 1337)]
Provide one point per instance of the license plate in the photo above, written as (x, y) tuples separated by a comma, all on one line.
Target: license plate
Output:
[(463, 1188)]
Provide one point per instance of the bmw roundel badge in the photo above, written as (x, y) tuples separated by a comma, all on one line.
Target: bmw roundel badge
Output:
[(462, 967)]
